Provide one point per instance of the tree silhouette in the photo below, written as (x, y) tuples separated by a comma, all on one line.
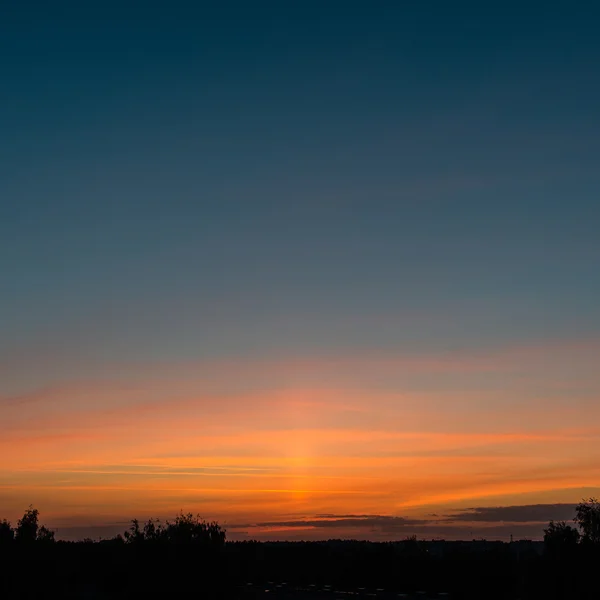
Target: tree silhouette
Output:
[(27, 526), (588, 519), (187, 529), (154, 531), (45, 535), (560, 538), (134, 535), (28, 529), (190, 529), (6, 532)]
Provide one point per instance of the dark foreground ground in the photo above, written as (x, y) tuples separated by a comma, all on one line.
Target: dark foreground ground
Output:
[(327, 570), (285, 591)]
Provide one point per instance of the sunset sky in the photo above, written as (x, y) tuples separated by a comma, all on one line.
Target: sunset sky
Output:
[(311, 269)]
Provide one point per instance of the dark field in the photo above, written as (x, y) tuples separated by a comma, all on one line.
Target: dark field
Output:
[(330, 570), (284, 591)]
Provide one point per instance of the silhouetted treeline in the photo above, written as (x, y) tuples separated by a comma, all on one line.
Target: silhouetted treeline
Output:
[(189, 556)]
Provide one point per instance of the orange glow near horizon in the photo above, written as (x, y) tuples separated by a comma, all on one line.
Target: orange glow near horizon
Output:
[(94, 453)]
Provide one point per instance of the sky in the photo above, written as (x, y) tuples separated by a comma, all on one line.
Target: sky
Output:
[(311, 269)]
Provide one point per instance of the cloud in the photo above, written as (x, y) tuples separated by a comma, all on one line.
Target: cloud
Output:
[(530, 513), (370, 521), (492, 522), (497, 515)]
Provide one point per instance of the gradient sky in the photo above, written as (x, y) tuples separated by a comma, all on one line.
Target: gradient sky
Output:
[(314, 269)]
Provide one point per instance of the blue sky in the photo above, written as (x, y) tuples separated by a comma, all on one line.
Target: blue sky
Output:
[(300, 163)]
